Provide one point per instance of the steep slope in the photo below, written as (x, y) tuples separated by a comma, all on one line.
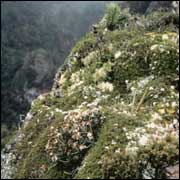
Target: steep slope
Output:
[(36, 38), (113, 110)]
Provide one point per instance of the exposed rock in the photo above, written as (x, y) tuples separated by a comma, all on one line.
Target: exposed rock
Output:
[(155, 5), (172, 172)]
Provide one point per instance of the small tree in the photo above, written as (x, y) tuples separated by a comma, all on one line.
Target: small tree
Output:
[(112, 17)]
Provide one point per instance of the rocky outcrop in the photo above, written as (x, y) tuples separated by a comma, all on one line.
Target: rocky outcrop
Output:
[(155, 5), (172, 172), (146, 6)]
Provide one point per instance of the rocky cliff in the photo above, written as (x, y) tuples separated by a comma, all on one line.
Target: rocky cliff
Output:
[(114, 107)]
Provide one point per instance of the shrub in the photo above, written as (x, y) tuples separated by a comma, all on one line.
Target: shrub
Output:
[(112, 18)]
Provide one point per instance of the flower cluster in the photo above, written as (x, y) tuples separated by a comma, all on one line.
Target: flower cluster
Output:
[(101, 73), (105, 87), (76, 135), (62, 79), (88, 59), (75, 77), (137, 87), (117, 54), (153, 131), (167, 107), (171, 36), (90, 91), (51, 146)]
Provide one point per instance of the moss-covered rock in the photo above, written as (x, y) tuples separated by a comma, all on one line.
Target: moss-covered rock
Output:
[(116, 115)]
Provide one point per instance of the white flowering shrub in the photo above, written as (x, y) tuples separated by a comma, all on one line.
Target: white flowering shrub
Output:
[(101, 73), (105, 87), (92, 57), (76, 135)]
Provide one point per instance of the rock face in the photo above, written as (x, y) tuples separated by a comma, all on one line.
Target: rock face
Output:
[(146, 6), (155, 5), (173, 172), (6, 164), (113, 110)]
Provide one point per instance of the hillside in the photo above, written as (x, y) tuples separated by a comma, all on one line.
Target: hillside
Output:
[(114, 107), (36, 38)]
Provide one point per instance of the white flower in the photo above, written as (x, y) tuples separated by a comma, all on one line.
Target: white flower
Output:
[(74, 86), (118, 54), (133, 89), (162, 89), (81, 147), (174, 104), (155, 62), (54, 158), (75, 77), (58, 110), (153, 47), (152, 76), (106, 147), (143, 140), (151, 88), (156, 116), (143, 82), (164, 99), (106, 86), (41, 97), (89, 135), (175, 121), (167, 104), (29, 116), (85, 97), (152, 125), (153, 68), (100, 162), (126, 81), (30, 142), (110, 47), (172, 87), (132, 150), (100, 74), (117, 150), (156, 96), (62, 79), (88, 59), (113, 142), (165, 37)]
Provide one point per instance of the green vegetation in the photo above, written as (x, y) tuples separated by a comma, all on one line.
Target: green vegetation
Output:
[(117, 113)]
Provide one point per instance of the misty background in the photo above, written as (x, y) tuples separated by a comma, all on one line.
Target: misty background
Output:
[(36, 37)]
